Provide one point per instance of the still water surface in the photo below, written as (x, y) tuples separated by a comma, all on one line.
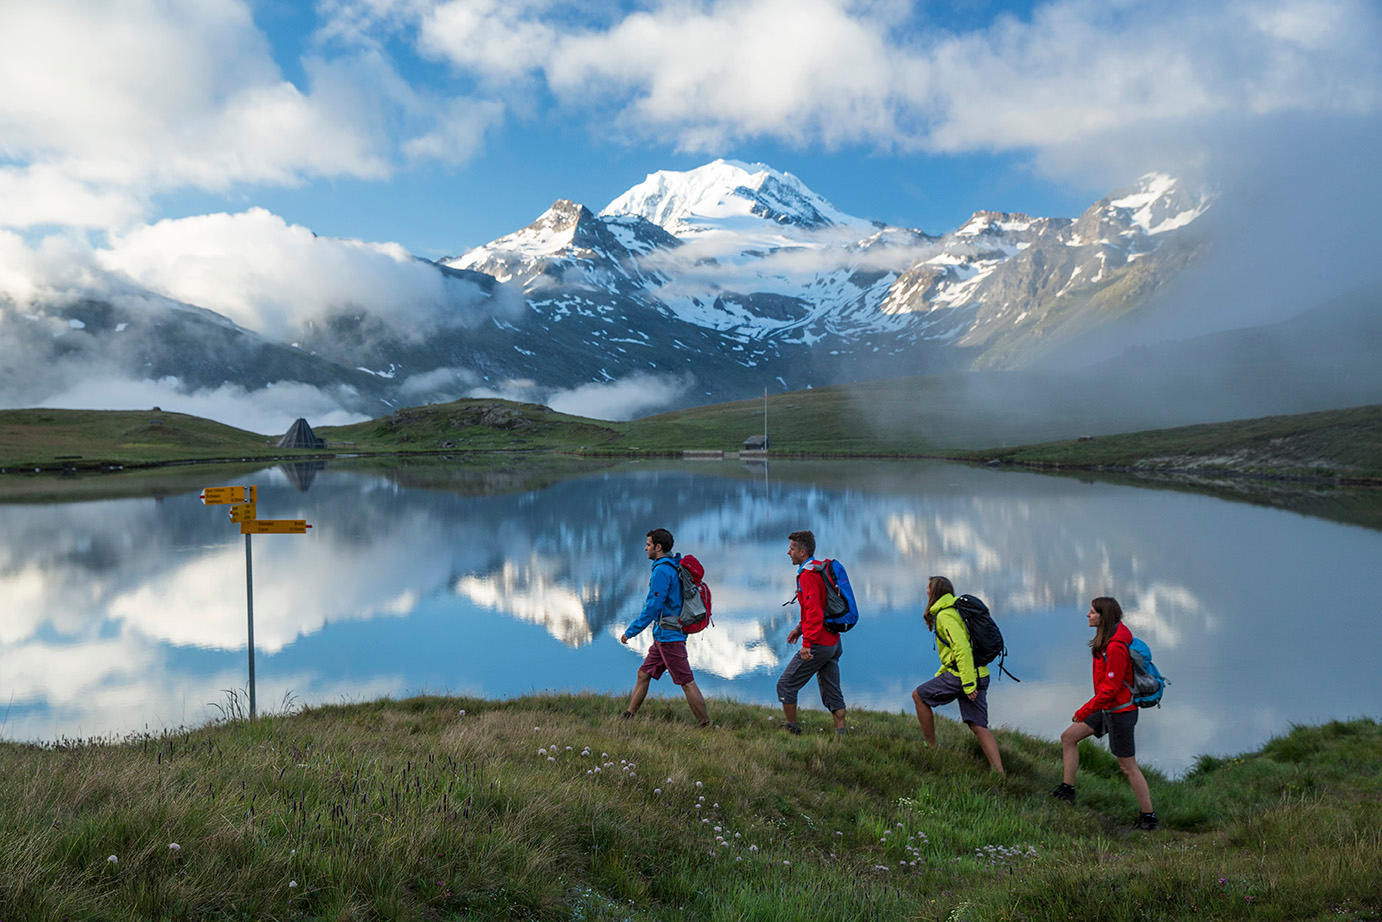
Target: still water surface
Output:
[(122, 614)]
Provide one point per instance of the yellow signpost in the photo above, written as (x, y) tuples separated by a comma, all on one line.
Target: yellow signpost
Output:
[(275, 527), (243, 502)]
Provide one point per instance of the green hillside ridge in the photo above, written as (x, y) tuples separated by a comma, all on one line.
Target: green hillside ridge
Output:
[(552, 808), (1334, 443), (898, 418)]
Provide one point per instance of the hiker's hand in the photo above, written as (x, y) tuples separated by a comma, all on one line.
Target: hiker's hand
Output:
[(624, 638), (792, 637), (974, 695), (806, 654)]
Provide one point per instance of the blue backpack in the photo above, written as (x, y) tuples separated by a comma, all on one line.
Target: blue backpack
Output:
[(841, 611), (1148, 684)]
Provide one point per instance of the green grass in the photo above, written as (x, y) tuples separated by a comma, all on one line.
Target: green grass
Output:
[(1335, 443), (415, 810), (913, 417)]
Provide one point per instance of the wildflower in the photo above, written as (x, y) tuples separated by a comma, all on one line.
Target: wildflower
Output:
[(292, 884), (113, 860), (174, 847), (537, 729), (551, 758), (698, 784), (698, 806), (292, 852), (786, 862), (753, 848), (657, 790), (462, 712), (701, 798), (723, 843), (716, 806), (597, 769), (881, 867), (737, 836), (717, 828), (568, 748), (542, 752)]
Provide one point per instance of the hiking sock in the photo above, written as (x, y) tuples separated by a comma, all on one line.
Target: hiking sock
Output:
[(793, 727), (840, 731), (1064, 792)]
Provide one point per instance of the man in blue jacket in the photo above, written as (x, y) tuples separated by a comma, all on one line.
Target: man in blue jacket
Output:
[(668, 652)]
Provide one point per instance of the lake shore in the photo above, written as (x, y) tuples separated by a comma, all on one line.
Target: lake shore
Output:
[(1331, 447), (550, 807)]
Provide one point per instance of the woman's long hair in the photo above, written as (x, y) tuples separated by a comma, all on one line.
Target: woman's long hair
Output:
[(936, 587), (1110, 616)]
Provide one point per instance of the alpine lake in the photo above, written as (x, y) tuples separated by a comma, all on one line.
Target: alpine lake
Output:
[(124, 596)]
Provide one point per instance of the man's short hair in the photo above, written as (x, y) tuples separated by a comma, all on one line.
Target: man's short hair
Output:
[(806, 540), (662, 538)]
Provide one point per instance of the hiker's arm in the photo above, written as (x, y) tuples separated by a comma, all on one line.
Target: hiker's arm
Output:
[(658, 589), (812, 609), (964, 656), (1109, 688)]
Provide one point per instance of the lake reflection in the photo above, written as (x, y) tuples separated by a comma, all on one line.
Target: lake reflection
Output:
[(126, 613)]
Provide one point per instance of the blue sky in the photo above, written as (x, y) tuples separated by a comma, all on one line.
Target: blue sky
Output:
[(441, 124)]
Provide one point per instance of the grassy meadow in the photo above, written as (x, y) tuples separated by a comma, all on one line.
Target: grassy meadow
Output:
[(845, 421), (551, 808)]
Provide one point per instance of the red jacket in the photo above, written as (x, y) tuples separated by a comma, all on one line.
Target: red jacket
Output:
[(811, 595), (1112, 677)]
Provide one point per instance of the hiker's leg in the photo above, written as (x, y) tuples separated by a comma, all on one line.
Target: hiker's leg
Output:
[(797, 674), (640, 691), (1070, 749), (925, 717), (1138, 783), (832, 695), (990, 747), (697, 702)]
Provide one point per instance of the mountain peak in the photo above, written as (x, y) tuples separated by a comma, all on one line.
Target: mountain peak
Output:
[(1158, 202), (725, 193)]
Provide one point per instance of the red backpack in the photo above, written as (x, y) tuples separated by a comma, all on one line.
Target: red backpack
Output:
[(695, 596)]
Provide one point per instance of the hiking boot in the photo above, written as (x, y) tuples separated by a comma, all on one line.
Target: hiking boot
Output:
[(793, 728), (1147, 821), (1066, 792)]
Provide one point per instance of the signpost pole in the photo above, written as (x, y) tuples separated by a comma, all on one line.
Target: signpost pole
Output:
[(249, 612)]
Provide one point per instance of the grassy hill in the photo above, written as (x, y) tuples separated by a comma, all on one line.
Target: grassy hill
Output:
[(909, 417), (1336, 443), (551, 808)]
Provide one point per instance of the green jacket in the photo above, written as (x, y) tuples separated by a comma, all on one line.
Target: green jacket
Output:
[(952, 645)]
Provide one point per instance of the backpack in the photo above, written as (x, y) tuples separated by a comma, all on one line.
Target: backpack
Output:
[(841, 611), (695, 598), (1148, 684), (985, 639)]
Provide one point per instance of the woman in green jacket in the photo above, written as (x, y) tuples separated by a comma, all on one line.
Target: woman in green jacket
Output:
[(958, 678)]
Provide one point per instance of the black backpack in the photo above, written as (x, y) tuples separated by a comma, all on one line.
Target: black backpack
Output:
[(985, 639)]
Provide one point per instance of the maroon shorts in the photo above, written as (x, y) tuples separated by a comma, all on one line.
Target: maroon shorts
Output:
[(668, 657)]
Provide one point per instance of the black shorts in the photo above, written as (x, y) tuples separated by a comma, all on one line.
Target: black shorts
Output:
[(1118, 726)]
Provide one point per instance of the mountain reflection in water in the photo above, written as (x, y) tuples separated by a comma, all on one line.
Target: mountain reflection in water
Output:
[(497, 581)]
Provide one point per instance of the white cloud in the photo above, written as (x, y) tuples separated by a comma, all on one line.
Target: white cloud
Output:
[(834, 72), (621, 399), (269, 410), (272, 277), (103, 104)]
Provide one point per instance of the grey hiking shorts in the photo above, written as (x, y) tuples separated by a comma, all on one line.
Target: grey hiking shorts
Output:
[(824, 664)]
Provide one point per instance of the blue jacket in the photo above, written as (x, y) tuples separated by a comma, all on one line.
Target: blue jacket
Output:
[(664, 599)]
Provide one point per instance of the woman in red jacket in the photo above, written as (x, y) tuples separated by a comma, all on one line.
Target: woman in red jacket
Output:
[(1111, 709)]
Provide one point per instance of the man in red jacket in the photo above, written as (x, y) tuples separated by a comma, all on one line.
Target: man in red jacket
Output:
[(820, 648)]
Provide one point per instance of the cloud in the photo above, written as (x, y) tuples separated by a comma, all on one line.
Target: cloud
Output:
[(105, 104), (622, 399), (269, 410), (840, 73), (274, 277)]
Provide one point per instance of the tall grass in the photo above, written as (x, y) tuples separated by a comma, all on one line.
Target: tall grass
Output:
[(551, 808)]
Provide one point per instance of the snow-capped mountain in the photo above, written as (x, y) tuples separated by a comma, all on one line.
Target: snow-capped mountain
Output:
[(711, 283)]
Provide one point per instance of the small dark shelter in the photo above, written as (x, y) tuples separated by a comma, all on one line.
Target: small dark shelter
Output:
[(300, 435), (756, 443)]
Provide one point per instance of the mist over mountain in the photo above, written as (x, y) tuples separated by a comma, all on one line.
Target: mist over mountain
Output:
[(689, 288)]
